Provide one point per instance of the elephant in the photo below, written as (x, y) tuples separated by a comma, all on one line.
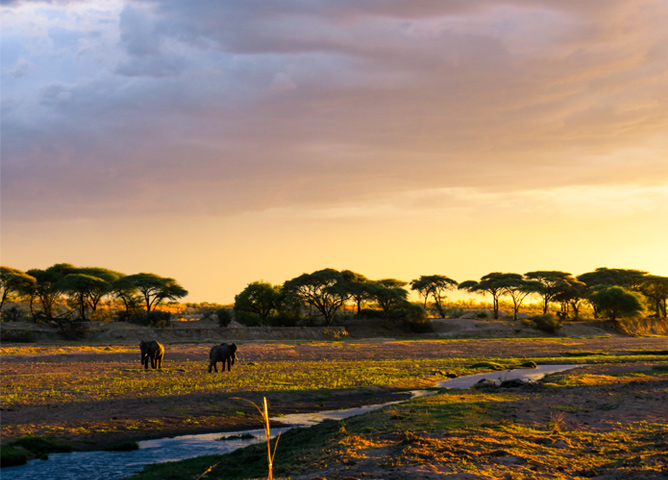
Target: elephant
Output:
[(151, 350), (222, 353)]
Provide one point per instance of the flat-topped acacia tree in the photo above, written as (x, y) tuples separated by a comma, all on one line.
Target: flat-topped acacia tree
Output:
[(14, 281), (433, 286), (325, 290), (494, 283), (154, 288)]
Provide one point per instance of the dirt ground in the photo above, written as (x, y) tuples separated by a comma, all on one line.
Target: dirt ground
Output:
[(96, 424)]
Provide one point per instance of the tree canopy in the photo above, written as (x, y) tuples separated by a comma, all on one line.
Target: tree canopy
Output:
[(14, 281), (325, 290), (154, 289), (493, 283), (434, 286), (616, 302), (259, 298)]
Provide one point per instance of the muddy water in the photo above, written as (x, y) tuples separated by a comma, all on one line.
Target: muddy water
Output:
[(101, 465)]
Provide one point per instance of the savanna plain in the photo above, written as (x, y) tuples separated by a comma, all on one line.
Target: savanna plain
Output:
[(606, 418)]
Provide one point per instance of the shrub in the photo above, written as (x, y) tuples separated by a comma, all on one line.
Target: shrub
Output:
[(454, 312), (17, 336), (14, 314), (482, 315), (248, 319), (156, 318), (284, 319), (102, 315), (371, 313), (548, 323), (416, 320), (224, 317)]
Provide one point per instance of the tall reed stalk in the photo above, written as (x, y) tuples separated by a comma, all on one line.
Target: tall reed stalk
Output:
[(264, 412)]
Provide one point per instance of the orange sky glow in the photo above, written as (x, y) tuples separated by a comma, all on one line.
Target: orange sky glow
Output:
[(220, 144)]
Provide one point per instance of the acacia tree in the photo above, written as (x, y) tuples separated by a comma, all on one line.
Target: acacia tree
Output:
[(325, 290), (389, 294), (615, 302), (549, 283), (571, 293), (47, 288), (13, 281), (518, 289), (493, 283), (95, 294), (259, 298), (154, 289), (125, 290), (80, 287), (434, 286), (359, 287), (655, 288), (622, 277)]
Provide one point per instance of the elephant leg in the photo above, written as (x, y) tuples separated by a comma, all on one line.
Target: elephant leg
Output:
[(159, 362)]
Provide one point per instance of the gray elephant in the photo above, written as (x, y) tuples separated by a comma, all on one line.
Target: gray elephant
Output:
[(151, 350), (222, 353)]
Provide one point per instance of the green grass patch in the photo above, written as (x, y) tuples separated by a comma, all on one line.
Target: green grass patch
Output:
[(488, 366), (23, 449), (11, 456)]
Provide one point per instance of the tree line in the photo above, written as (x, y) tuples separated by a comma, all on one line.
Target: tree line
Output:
[(611, 292), (63, 293)]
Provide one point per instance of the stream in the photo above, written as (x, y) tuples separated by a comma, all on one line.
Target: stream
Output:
[(103, 465)]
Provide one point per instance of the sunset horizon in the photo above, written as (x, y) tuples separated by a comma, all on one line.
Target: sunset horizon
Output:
[(222, 144)]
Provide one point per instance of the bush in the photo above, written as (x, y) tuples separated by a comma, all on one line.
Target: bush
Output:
[(416, 320), (224, 317), (248, 319), (102, 315), (17, 336), (370, 313), (284, 319), (14, 314), (156, 318), (548, 323), (482, 315)]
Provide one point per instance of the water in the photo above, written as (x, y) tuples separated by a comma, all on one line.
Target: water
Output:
[(101, 465)]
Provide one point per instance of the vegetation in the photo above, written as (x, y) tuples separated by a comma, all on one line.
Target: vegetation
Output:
[(433, 286), (67, 297), (496, 433), (616, 302), (23, 449)]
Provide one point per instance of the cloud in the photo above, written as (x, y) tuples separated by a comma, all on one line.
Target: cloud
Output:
[(218, 108)]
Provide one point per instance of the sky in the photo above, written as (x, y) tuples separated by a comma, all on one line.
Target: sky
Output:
[(224, 142)]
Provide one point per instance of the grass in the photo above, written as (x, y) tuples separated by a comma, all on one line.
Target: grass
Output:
[(414, 430), (23, 449), (461, 431)]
